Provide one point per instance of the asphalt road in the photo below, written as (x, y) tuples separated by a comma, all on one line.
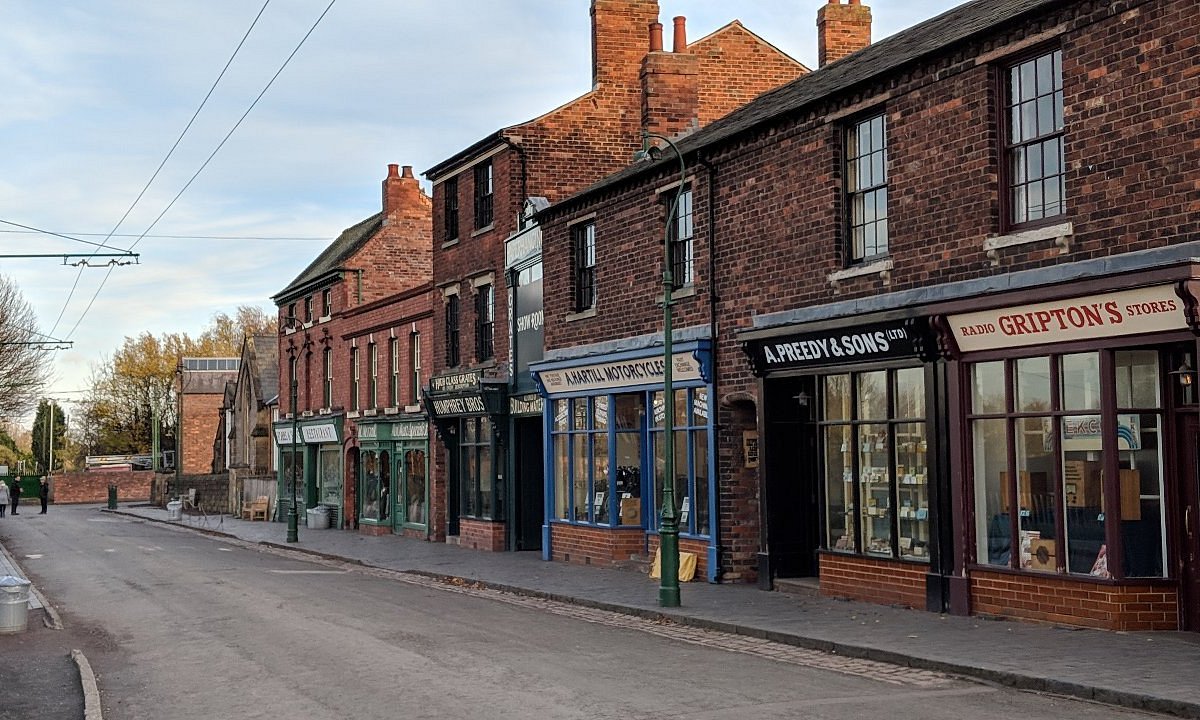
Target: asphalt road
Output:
[(180, 625)]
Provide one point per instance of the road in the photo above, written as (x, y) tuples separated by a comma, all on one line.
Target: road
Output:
[(181, 625)]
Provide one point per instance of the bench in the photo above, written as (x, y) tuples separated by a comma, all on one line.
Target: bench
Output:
[(256, 510)]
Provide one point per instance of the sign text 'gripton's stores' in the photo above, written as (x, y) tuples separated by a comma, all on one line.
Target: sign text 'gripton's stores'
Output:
[(643, 371), (1129, 312), (863, 343)]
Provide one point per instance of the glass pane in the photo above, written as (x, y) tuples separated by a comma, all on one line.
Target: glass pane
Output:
[(486, 501), (1035, 493), (600, 491), (630, 411), (580, 480), (700, 407), (1045, 112), (659, 409), (1137, 378), (560, 415), (700, 458), (369, 464), (910, 393), (600, 412), (1081, 381), (681, 408), (1083, 494), (469, 474), (579, 417), (414, 471), (875, 489), (1014, 115), (993, 533), (872, 395), (629, 477), (1139, 444), (912, 490), (385, 486), (1029, 118), (987, 395), (562, 476), (837, 397), (1028, 81), (1052, 157), (1045, 75), (839, 488), (331, 478), (1033, 161), (1032, 385)]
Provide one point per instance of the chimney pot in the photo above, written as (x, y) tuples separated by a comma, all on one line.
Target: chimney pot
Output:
[(407, 171), (656, 37), (679, 41), (392, 168)]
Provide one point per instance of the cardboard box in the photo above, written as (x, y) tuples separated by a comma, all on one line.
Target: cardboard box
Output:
[(631, 511), (1082, 483), (1042, 555)]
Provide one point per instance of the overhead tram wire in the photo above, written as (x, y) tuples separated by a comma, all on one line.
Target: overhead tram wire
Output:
[(76, 235), (39, 231), (104, 243), (209, 159)]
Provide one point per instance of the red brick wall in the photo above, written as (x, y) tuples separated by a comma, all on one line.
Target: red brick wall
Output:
[(481, 535), (374, 530), (871, 580), (596, 546), (737, 66), (198, 430), (92, 487), (1133, 606)]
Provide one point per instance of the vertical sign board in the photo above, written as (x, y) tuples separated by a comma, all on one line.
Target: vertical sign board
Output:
[(528, 332)]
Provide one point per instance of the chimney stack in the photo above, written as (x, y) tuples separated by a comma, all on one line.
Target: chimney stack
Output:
[(401, 191), (619, 40), (842, 29), (670, 84)]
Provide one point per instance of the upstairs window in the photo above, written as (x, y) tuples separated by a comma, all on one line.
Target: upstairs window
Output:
[(415, 348), (327, 302), (583, 266), (372, 376), (291, 315), (680, 230), (483, 195), (485, 322), (308, 309), (354, 378), (1035, 168), (394, 372), (327, 379), (450, 209), (866, 188), (452, 354)]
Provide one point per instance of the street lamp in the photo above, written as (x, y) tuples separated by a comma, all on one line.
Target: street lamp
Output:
[(294, 363), (668, 526)]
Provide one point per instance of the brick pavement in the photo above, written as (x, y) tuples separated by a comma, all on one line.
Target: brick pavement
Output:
[(1152, 671)]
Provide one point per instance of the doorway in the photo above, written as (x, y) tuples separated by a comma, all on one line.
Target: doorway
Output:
[(529, 503), (793, 504), (1189, 515)]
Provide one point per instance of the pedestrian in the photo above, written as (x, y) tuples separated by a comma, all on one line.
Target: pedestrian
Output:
[(3, 497), (16, 495), (44, 494)]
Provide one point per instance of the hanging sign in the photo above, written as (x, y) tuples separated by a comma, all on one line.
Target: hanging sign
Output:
[(624, 373), (860, 343), (1130, 312)]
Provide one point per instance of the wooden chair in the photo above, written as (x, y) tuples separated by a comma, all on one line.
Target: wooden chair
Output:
[(256, 510)]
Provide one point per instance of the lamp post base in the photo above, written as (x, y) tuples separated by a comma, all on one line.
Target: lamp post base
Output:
[(668, 588), (292, 535)]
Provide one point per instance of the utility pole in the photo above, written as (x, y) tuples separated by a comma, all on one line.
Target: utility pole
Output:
[(50, 470)]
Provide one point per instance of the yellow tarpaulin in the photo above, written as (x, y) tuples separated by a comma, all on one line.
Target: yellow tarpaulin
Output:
[(687, 565)]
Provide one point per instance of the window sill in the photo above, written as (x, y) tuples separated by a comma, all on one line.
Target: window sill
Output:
[(289, 330), (482, 230), (1073, 577), (882, 268), (352, 414), (370, 413), (306, 413), (1060, 234), (449, 243), (680, 293), (581, 315), (324, 318), (415, 408), (308, 324), (905, 560)]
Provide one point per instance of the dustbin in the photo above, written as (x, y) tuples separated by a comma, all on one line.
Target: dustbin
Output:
[(14, 604), (175, 510), (318, 518), (112, 497)]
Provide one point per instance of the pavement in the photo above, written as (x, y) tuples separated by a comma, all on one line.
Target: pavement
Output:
[(1158, 672)]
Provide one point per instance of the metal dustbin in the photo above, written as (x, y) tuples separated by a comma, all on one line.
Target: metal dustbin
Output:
[(318, 518), (175, 510), (112, 497), (14, 604)]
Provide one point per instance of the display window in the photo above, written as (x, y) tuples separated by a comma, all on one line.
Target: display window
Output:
[(1043, 430), (874, 447), (690, 431), (416, 487), (477, 486), (375, 482)]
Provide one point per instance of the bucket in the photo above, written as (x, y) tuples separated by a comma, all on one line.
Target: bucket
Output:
[(318, 518)]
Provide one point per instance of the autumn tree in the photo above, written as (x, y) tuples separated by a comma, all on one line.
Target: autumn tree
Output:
[(49, 429), (24, 355)]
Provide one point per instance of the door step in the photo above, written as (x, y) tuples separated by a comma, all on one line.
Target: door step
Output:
[(798, 586)]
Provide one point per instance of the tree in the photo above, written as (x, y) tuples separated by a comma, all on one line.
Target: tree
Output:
[(24, 357), (49, 429)]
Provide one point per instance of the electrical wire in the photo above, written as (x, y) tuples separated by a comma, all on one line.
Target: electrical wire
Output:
[(209, 159), (39, 231), (71, 236)]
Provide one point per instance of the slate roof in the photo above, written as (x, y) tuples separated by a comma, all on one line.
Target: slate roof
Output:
[(881, 58), (346, 244)]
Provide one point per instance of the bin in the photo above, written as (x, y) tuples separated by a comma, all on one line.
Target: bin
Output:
[(112, 497), (175, 510), (14, 604), (318, 518)]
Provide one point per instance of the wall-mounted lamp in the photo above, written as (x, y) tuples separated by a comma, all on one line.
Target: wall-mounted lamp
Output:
[(1185, 374)]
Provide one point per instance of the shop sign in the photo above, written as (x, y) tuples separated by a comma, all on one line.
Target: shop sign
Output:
[(1084, 432), (750, 448), (526, 405), (462, 405), (528, 321), (283, 436), (411, 430), (522, 247), (1130, 312), (862, 343), (644, 371), (368, 432), (323, 433), (458, 382)]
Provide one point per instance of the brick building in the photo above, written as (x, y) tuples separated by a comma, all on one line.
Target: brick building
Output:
[(484, 402), (937, 333), (353, 350), (200, 389), (249, 408)]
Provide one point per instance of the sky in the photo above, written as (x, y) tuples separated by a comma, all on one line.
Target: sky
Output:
[(94, 94)]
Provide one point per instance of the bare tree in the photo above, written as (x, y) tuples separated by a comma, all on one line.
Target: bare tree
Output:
[(24, 357)]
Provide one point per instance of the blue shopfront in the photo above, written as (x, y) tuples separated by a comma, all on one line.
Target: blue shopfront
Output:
[(605, 448)]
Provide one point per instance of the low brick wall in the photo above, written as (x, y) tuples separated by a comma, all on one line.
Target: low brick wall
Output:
[(1064, 600), (586, 545), (884, 582), (481, 535), (212, 491), (92, 487), (699, 548)]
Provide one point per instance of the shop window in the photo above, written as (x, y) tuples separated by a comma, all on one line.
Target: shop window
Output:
[(415, 487), (874, 447), (292, 467), (330, 478), (475, 468), (690, 443), (369, 469), (1035, 170), (1050, 411)]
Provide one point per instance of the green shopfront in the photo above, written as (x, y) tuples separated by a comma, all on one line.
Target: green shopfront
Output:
[(316, 463), (393, 476)]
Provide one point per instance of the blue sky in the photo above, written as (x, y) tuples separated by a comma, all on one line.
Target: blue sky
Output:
[(93, 93)]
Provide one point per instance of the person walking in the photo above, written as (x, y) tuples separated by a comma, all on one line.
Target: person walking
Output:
[(44, 494), (3, 497), (16, 495)]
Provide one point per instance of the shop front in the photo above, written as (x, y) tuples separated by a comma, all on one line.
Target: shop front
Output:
[(316, 464), (853, 459), (605, 449), (1079, 438), (470, 414), (393, 476)]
